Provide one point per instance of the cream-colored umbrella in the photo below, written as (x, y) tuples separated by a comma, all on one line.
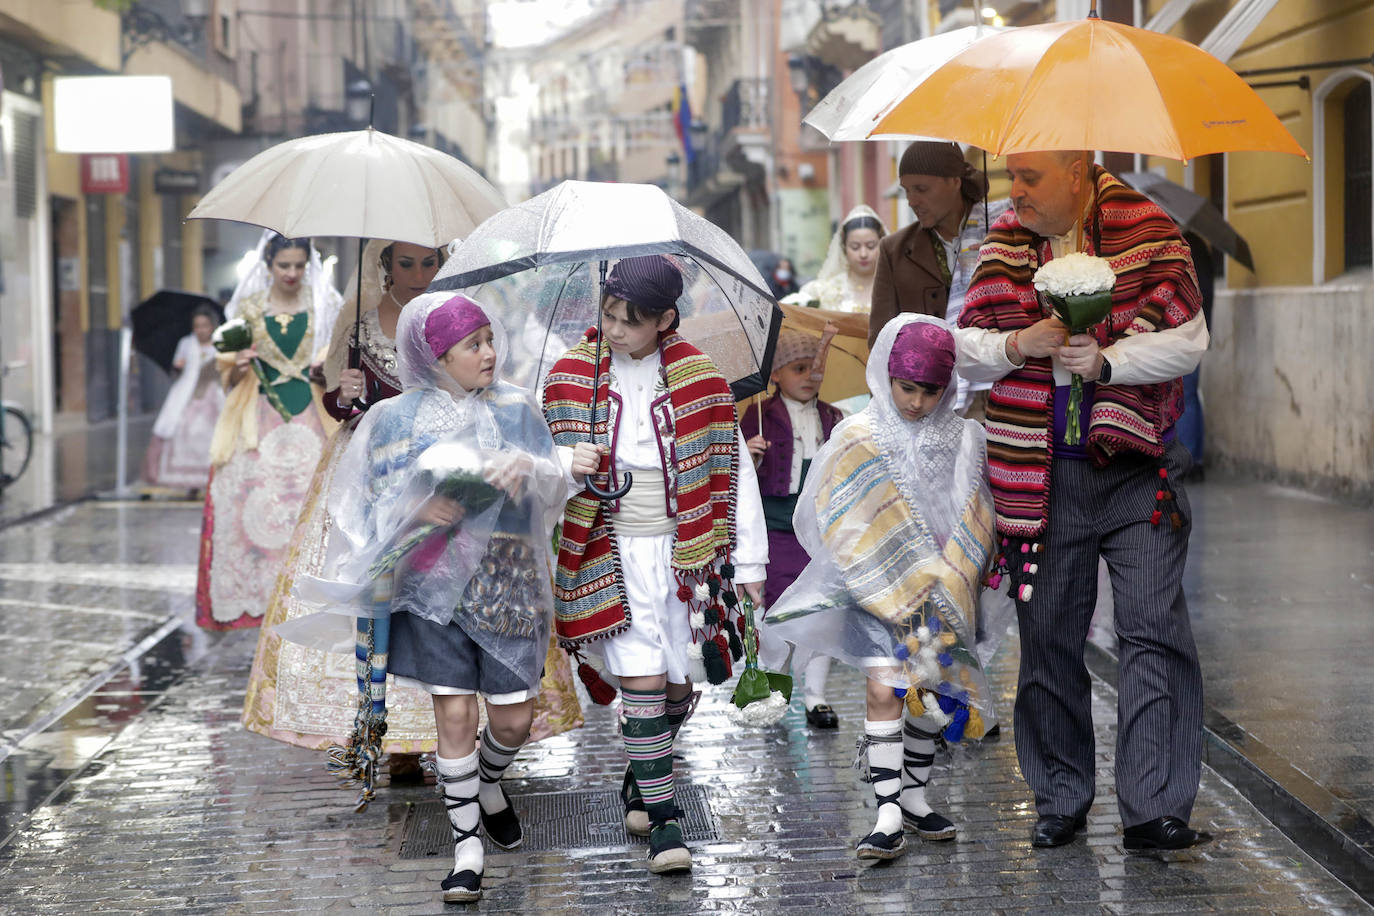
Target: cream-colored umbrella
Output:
[(360, 184), (852, 109)]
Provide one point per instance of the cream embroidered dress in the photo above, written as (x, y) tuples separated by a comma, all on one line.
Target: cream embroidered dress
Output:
[(834, 289), (179, 452), (263, 457)]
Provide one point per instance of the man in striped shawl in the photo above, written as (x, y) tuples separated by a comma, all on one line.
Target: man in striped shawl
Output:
[(1059, 507)]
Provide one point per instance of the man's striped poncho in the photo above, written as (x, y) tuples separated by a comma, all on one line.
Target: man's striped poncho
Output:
[(1156, 288)]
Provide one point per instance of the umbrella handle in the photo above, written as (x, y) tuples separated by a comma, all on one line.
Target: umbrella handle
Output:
[(355, 352), (616, 493), (592, 487)]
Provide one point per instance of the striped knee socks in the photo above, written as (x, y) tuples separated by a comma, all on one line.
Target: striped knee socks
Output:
[(649, 744)]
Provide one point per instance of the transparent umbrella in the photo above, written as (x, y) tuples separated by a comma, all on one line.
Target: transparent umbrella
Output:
[(540, 266)]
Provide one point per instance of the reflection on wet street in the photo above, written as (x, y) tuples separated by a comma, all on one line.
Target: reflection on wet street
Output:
[(129, 784), (91, 602)]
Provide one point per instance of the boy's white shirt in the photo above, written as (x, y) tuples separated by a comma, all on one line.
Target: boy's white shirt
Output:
[(805, 418), (634, 381)]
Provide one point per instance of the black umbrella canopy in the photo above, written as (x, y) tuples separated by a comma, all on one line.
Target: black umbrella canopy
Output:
[(1192, 212), (160, 321)]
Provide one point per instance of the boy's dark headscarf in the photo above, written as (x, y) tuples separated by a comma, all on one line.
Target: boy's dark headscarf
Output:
[(650, 281)]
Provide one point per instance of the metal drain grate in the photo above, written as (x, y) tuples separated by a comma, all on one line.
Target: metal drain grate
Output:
[(559, 820)]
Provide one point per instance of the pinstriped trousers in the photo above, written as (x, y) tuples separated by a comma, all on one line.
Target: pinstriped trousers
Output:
[(1159, 709)]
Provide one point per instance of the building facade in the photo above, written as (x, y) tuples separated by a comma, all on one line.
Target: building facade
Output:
[(594, 103), (76, 259)]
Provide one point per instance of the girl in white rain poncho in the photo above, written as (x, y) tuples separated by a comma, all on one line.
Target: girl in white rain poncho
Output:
[(443, 505), (897, 517)]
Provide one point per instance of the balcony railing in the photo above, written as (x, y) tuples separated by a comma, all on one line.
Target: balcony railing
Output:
[(745, 105)]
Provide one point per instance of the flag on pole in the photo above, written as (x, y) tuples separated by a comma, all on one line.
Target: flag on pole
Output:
[(682, 122)]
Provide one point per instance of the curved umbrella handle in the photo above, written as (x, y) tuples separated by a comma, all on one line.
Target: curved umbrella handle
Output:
[(611, 494)]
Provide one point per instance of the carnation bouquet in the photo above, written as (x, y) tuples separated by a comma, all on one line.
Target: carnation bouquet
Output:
[(1079, 288), (235, 335), (453, 471)]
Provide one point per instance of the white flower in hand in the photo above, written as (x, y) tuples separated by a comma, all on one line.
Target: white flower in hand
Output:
[(1075, 275)]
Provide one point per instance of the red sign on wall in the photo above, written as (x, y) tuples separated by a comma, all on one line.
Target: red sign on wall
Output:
[(104, 173)]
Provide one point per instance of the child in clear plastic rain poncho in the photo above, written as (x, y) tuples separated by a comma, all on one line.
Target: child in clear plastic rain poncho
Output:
[(897, 517), (444, 504)]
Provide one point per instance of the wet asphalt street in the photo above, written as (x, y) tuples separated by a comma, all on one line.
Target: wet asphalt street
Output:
[(129, 786)]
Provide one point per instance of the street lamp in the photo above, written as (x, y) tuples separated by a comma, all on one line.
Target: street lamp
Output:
[(358, 102)]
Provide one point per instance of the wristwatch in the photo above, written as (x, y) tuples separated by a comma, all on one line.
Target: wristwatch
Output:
[(1104, 377)]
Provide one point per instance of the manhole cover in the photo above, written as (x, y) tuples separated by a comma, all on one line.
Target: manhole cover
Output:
[(559, 820)]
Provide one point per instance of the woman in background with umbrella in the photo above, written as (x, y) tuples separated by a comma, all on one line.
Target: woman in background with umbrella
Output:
[(269, 436), (179, 452)]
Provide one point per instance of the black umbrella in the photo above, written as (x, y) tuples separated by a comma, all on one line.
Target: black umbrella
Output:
[(161, 320), (1192, 212)]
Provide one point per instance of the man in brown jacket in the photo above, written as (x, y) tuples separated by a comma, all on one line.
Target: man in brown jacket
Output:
[(925, 267)]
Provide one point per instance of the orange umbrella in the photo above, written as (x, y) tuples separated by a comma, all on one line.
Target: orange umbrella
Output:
[(1089, 85)]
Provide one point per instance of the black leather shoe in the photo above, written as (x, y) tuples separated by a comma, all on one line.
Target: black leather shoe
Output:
[(1164, 833), (822, 716), (1056, 829)]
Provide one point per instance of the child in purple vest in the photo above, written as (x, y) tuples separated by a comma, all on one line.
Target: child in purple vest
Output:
[(787, 433)]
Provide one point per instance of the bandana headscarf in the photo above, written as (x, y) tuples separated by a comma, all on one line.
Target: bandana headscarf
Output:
[(922, 352), (942, 159), (651, 282), (455, 319)]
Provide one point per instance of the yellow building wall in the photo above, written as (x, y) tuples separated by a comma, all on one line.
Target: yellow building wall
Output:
[(1269, 195)]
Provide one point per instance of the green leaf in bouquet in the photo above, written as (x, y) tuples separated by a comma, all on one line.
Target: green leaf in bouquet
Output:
[(1082, 312), (752, 686), (232, 336), (468, 489)]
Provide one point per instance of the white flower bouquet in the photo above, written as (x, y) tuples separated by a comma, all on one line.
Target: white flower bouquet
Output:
[(1079, 288), (232, 336), (760, 697), (1075, 275)]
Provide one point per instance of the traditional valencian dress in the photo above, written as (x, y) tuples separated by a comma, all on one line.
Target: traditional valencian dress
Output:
[(897, 517), (468, 605), (832, 288), (265, 449), (898, 520), (179, 453), (647, 580), (628, 569)]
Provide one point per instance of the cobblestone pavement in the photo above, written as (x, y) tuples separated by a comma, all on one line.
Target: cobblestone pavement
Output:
[(186, 812)]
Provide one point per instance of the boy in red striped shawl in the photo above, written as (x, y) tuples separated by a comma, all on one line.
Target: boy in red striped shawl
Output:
[(1114, 493), (646, 580)]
